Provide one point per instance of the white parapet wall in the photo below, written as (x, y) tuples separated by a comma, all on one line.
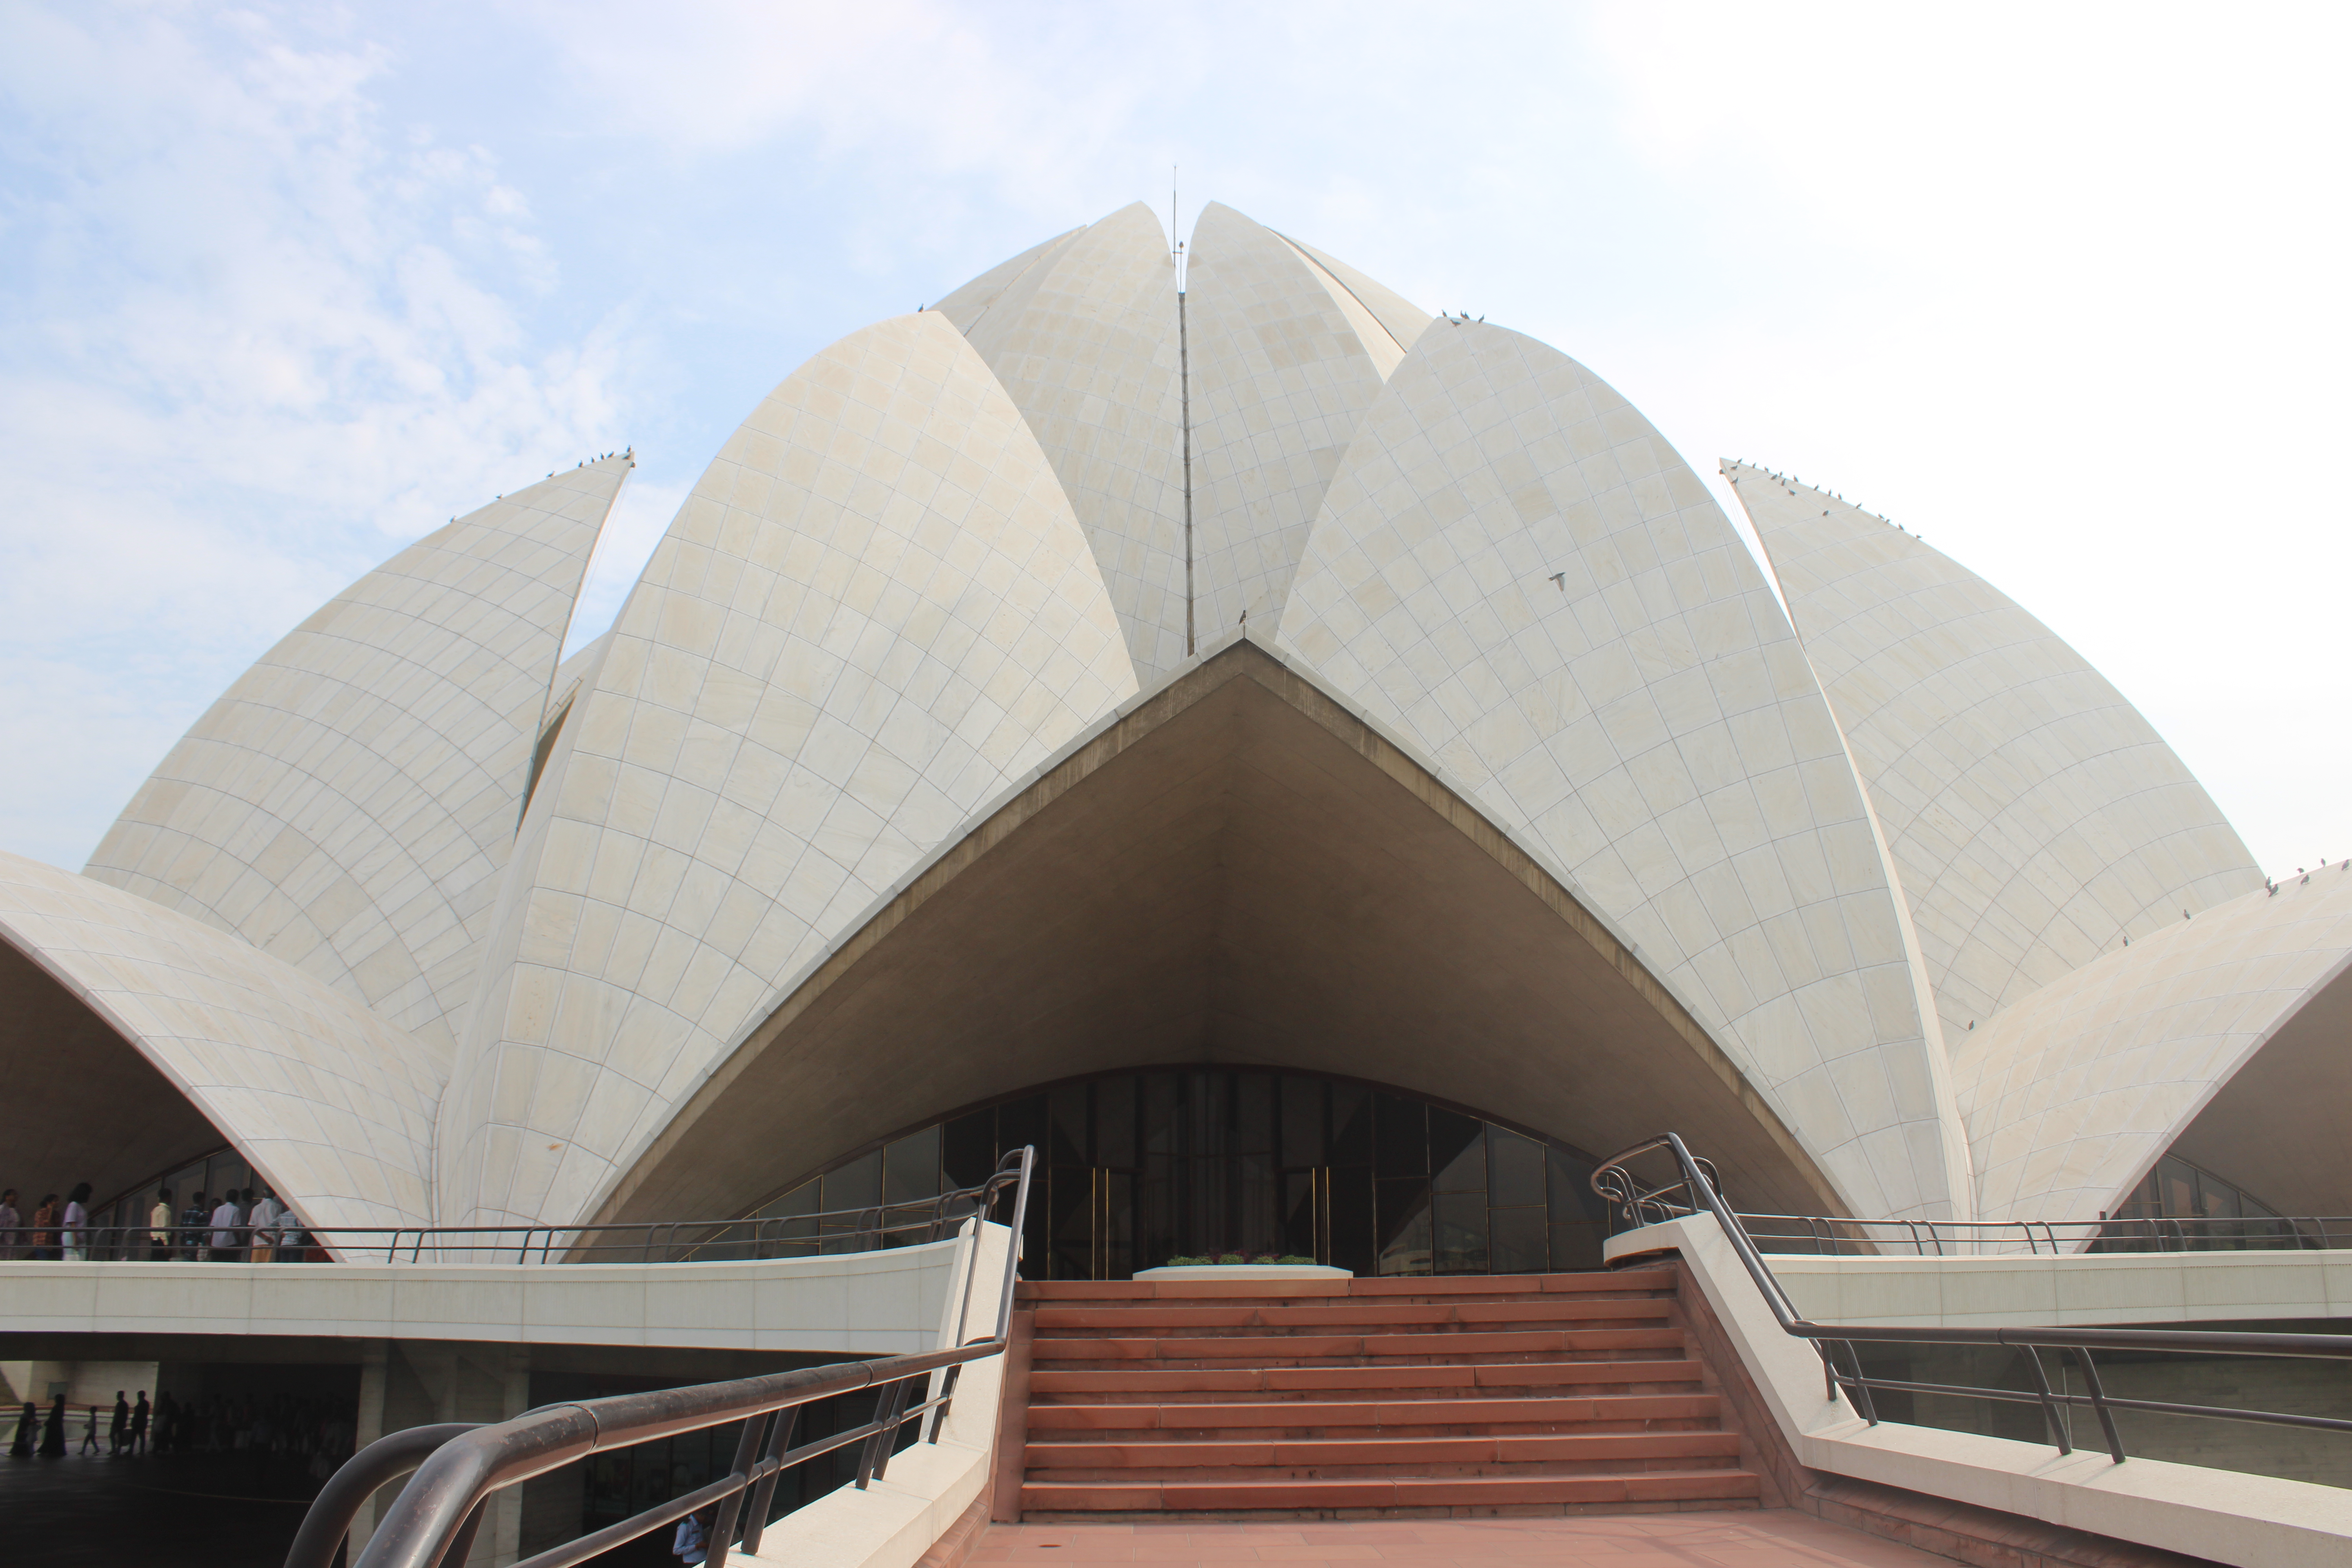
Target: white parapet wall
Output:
[(2257, 1521), (853, 1304), (897, 1517)]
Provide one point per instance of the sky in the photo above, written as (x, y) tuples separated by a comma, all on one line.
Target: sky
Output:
[(2061, 288)]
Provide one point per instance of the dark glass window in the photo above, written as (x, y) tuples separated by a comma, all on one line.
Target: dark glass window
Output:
[(1137, 1168)]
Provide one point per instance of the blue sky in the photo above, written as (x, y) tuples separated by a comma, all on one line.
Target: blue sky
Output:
[(2059, 288)]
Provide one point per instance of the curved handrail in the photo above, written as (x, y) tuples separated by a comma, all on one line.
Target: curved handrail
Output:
[(649, 1241), (1698, 1180), (438, 1511)]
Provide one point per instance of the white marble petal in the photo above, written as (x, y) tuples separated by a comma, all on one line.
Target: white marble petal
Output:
[(348, 803), (1514, 572), (1280, 377), (1086, 346), (2071, 1094), (330, 1102), (873, 612), (2034, 817)]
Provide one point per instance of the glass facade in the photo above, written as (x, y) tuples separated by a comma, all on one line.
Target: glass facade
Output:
[(1137, 1168), (2176, 1189)]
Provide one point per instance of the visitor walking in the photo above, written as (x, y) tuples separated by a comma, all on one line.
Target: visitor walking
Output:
[(224, 1230), (45, 1227), (28, 1432), (139, 1414), (192, 1229), (266, 1215), (9, 1221), (118, 1428), (76, 1226), (53, 1430), (89, 1433), (689, 1546), (159, 1227)]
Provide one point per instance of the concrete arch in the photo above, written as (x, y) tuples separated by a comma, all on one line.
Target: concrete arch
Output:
[(349, 803), (1238, 870), (2034, 817), (331, 1103)]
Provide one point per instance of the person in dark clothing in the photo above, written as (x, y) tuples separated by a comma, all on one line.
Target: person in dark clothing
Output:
[(167, 1424), (28, 1432), (139, 1415), (191, 1228), (53, 1430), (117, 1426)]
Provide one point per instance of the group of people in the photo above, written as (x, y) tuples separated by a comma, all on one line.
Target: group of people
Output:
[(126, 1433), (237, 1226), (53, 1232), (319, 1434)]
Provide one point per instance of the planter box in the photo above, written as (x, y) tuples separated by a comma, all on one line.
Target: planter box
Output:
[(1245, 1271)]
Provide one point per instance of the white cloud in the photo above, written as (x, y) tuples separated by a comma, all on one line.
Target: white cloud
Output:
[(253, 341)]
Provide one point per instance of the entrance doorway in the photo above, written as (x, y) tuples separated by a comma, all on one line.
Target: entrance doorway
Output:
[(1137, 1168)]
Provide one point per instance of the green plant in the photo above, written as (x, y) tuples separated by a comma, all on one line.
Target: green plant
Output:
[(1185, 1262), (1232, 1257), (1294, 1258)]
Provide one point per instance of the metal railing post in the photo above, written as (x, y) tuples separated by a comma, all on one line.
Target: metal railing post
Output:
[(780, 1438), (2099, 1402), (2058, 1432), (722, 1529)]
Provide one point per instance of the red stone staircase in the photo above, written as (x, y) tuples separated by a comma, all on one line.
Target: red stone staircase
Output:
[(1540, 1394)]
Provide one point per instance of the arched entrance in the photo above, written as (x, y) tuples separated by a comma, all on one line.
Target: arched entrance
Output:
[(1137, 1168), (1238, 875)]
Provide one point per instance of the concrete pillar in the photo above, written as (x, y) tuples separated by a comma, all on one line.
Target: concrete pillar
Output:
[(420, 1382), (369, 1426)]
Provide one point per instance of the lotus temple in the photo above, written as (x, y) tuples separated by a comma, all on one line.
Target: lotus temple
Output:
[(1323, 775)]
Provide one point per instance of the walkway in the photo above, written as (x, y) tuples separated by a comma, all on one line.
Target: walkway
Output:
[(1774, 1538)]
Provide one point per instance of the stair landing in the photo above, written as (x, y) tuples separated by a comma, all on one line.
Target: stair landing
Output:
[(1384, 1397)]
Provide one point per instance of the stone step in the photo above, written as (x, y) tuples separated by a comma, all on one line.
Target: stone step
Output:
[(1635, 1374), (1369, 1455), (1382, 1494), (1431, 1316), (1634, 1412), (1526, 1287), (1259, 1350)]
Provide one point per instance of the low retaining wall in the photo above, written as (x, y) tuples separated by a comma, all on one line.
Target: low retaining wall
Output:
[(2253, 1521)]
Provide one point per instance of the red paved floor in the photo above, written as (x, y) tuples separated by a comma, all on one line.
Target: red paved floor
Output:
[(1773, 1539)]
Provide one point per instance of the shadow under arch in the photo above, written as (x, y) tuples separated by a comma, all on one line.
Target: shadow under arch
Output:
[(1240, 871)]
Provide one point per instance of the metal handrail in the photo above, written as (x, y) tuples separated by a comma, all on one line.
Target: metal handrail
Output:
[(639, 1241), (433, 1521), (1696, 1188), (1835, 1236)]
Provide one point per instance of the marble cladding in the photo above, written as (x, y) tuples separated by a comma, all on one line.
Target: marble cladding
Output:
[(1514, 570), (333, 1103), (875, 609), (348, 804)]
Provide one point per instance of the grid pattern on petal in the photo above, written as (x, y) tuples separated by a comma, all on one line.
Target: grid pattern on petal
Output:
[(1514, 570), (348, 803), (875, 611), (1087, 348), (2073, 1092), (2036, 818), (334, 1104), (1280, 378)]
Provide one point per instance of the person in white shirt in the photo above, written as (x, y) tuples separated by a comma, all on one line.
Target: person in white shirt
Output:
[(224, 1224), (159, 1227), (76, 1224), (266, 1215), (688, 1545)]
